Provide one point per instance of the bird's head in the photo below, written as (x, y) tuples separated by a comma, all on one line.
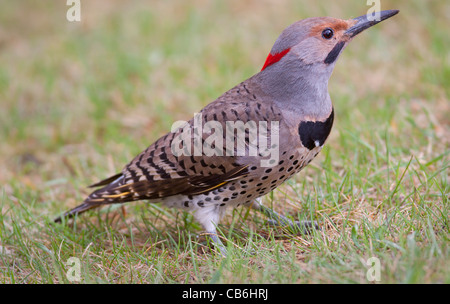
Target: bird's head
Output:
[(318, 41)]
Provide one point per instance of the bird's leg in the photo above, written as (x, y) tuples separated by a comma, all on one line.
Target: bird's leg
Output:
[(217, 242), (276, 219), (208, 218)]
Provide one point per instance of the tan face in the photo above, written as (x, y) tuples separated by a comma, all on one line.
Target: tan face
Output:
[(326, 40), (333, 31), (326, 37), (319, 41)]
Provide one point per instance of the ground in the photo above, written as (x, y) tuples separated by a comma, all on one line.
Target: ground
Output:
[(81, 99)]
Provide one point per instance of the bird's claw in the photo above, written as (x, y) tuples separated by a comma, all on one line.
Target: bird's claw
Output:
[(305, 227)]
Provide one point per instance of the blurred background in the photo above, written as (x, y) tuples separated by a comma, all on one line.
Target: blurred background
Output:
[(80, 99)]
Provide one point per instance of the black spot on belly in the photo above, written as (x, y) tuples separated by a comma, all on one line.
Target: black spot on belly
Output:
[(312, 131)]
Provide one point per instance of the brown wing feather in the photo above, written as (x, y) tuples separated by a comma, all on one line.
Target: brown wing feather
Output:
[(145, 189), (153, 190), (157, 173), (106, 181)]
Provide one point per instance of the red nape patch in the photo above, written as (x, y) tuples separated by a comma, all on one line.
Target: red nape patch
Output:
[(271, 59)]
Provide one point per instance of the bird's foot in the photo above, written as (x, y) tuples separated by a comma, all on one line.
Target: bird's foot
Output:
[(218, 245), (304, 227), (276, 219)]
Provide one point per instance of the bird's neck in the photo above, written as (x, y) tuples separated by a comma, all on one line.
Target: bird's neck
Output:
[(299, 89)]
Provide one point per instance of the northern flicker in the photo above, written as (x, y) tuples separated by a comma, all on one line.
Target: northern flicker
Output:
[(287, 105)]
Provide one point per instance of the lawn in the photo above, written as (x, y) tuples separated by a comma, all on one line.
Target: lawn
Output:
[(81, 99)]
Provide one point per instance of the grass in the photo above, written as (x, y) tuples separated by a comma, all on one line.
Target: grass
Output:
[(79, 100)]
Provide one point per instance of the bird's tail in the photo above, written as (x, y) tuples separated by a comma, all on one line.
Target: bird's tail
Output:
[(85, 206), (112, 192)]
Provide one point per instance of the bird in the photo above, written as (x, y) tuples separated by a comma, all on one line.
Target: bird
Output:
[(249, 140)]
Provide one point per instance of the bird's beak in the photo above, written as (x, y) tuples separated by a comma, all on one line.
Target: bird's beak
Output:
[(365, 21)]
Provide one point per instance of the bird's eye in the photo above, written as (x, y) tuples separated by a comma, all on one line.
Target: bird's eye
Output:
[(327, 33)]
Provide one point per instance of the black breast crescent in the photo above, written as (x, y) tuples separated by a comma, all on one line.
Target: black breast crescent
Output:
[(314, 133)]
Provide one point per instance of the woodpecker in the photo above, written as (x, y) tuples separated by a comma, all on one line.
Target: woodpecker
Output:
[(287, 100)]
